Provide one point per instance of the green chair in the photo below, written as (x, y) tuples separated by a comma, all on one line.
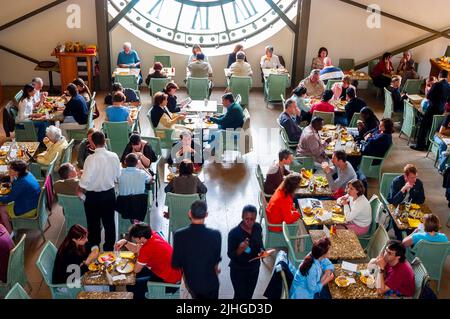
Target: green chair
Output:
[(241, 85), (285, 138), (45, 263), (346, 64), (385, 185), (376, 207), (330, 84), (433, 256), (16, 268), (39, 221), (73, 210), (434, 147), (412, 86), (155, 144), (291, 237), (117, 133), (157, 85), (124, 224), (260, 178), (198, 88), (371, 66), (409, 125), (127, 81), (18, 96), (179, 205), (26, 132), (80, 134), (300, 162), (41, 171), (421, 277), (377, 242), (274, 87), (164, 60), (157, 290), (388, 104), (369, 168), (17, 292), (328, 117), (354, 120)]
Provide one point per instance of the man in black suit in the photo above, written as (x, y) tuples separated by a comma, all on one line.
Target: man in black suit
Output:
[(290, 119), (354, 105), (438, 96)]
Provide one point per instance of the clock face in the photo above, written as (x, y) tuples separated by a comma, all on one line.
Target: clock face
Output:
[(217, 26)]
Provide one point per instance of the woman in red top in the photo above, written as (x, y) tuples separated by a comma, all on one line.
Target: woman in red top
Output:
[(281, 206), (154, 261), (382, 72), (324, 105)]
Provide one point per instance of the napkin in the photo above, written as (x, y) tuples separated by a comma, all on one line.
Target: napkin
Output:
[(351, 280), (119, 277), (349, 267), (338, 218)]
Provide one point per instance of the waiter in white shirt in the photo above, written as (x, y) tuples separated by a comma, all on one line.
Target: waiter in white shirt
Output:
[(100, 173), (270, 60)]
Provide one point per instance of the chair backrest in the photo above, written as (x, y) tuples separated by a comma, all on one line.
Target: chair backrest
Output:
[(16, 264), (354, 120), (127, 81), (52, 164), (73, 208), (117, 132), (157, 290), (42, 211), (46, 261), (17, 292), (421, 277), (157, 84), (377, 242), (90, 120), (164, 60), (291, 236), (198, 88), (66, 156), (300, 162), (241, 85), (25, 132), (246, 124), (330, 84), (412, 86), (155, 144), (437, 122), (285, 286), (283, 100), (346, 64), (178, 209), (372, 64), (276, 85), (285, 137), (259, 177), (328, 117), (17, 97), (388, 104), (385, 185), (409, 118), (433, 256), (375, 206)]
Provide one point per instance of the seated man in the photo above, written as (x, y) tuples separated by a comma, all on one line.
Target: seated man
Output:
[(397, 275), (55, 143), (354, 105), (156, 74), (186, 148), (39, 95), (343, 169), (397, 97), (117, 112), (133, 180), (201, 69), (407, 188), (430, 232), (68, 184), (310, 143), (330, 72), (277, 172), (324, 105), (270, 60), (233, 118), (443, 151), (313, 84), (129, 58), (290, 119), (130, 94), (154, 259), (241, 67)]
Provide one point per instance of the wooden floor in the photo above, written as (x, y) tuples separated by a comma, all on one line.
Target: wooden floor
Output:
[(231, 186)]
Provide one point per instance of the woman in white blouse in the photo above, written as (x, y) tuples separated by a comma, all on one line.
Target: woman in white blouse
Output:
[(26, 104), (357, 210)]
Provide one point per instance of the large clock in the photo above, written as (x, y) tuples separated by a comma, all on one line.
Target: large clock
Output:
[(216, 25)]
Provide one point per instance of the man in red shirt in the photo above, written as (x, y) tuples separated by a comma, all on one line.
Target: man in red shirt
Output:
[(324, 105), (397, 275), (154, 259)]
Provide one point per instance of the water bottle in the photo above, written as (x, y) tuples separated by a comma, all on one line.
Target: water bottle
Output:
[(13, 150)]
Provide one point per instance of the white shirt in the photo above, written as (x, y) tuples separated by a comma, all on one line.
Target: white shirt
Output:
[(101, 171), (25, 109), (241, 68), (359, 211), (274, 62)]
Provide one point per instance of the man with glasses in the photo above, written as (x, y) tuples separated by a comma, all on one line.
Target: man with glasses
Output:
[(397, 275)]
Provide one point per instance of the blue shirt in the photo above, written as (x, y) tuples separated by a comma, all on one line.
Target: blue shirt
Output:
[(305, 287), (132, 181), (130, 58), (78, 109), (117, 113), (437, 238), (24, 193)]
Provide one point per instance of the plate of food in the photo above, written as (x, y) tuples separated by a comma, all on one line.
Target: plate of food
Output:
[(304, 182), (414, 207), (106, 258), (170, 177), (308, 211), (94, 267), (307, 174), (125, 267), (367, 280), (4, 190), (329, 127), (342, 281), (127, 255), (336, 209), (321, 181)]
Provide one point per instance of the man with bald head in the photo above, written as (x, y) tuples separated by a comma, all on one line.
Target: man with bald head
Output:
[(330, 72)]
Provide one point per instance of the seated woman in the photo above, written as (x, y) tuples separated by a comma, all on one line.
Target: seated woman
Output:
[(161, 117), (73, 251), (281, 205), (55, 143), (313, 275), (117, 112), (186, 148), (368, 121), (157, 74), (317, 62), (25, 191), (340, 89), (324, 105), (299, 95), (378, 141), (170, 90), (142, 149), (357, 210), (186, 182), (382, 72), (430, 232), (83, 89), (232, 55), (76, 111), (7, 125), (196, 49)]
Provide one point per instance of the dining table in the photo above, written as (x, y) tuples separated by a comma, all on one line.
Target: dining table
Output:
[(339, 105), (126, 71), (200, 106), (169, 72), (51, 109), (358, 75), (345, 244), (105, 295), (311, 209), (341, 139), (171, 171), (408, 218), (307, 189), (30, 147)]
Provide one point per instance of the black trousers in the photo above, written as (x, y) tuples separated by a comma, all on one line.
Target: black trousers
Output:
[(99, 208), (424, 130), (244, 281), (140, 288), (381, 81)]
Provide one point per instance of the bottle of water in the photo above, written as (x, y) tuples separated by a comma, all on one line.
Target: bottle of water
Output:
[(13, 150)]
